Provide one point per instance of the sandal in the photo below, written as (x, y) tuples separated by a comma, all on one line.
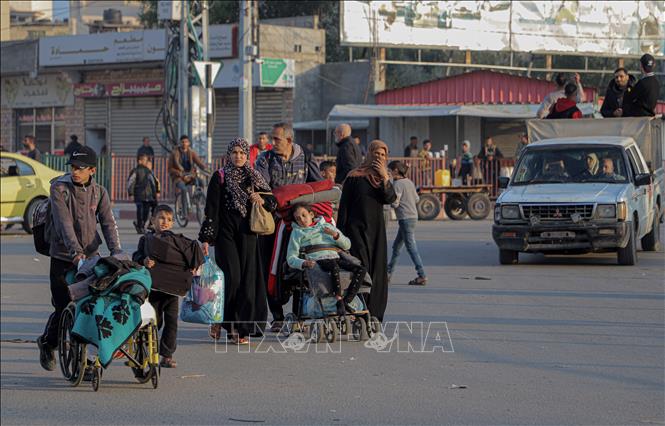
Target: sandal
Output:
[(215, 331), (236, 340), (168, 363), (418, 281)]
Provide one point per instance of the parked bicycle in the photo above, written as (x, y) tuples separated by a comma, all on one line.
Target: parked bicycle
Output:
[(191, 201)]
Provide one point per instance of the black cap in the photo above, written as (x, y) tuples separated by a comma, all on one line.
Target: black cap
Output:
[(647, 62), (83, 157)]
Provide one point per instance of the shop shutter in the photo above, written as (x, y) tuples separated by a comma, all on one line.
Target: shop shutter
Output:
[(226, 120), (95, 113), (132, 118)]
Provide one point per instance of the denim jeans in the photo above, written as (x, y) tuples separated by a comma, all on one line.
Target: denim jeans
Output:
[(406, 236)]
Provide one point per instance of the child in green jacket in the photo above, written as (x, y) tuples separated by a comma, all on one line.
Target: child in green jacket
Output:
[(321, 242)]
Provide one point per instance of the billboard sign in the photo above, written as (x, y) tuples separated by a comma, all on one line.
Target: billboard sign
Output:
[(42, 91), (626, 28)]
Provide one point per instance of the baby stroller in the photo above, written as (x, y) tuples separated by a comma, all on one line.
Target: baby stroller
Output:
[(314, 304), (110, 311)]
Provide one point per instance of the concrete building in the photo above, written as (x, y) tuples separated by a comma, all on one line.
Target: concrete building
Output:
[(20, 20), (87, 16)]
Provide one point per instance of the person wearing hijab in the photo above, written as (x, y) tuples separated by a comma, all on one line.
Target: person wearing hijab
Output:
[(366, 190), (592, 166), (231, 192)]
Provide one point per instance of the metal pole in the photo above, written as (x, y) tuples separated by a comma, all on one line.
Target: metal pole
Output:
[(246, 81), (210, 91), (183, 74)]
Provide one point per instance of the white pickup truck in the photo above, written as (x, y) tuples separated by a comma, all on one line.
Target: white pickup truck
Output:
[(582, 186)]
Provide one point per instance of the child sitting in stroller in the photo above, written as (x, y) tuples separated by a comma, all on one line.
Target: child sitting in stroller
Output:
[(321, 242)]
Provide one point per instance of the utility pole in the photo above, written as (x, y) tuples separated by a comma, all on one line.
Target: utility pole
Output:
[(247, 52), (208, 84), (183, 73)]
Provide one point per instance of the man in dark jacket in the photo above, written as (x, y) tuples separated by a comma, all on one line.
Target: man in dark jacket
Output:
[(73, 145), (144, 186), (641, 100), (33, 151), (615, 92), (349, 156), (566, 107), (77, 203), (146, 149)]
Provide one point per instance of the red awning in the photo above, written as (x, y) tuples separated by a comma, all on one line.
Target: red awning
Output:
[(477, 87)]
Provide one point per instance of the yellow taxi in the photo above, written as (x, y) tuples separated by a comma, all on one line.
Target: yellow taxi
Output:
[(23, 183)]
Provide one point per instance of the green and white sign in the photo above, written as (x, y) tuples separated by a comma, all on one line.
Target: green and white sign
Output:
[(277, 72)]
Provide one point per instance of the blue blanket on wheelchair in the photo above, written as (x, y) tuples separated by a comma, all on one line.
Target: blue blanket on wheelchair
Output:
[(107, 318)]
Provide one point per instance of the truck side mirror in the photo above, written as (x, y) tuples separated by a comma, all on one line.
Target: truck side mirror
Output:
[(643, 179), (503, 182)]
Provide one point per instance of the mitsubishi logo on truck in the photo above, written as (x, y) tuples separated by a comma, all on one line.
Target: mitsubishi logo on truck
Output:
[(557, 214)]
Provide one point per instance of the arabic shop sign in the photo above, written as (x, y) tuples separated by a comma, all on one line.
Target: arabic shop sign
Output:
[(44, 91), (97, 90), (134, 46), (277, 72)]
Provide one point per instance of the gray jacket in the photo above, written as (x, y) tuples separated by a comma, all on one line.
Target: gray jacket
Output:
[(75, 210)]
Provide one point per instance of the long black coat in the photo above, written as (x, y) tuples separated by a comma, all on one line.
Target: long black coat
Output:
[(361, 219), (237, 254), (348, 158)]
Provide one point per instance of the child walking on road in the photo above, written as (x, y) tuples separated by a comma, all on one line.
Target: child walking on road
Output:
[(171, 258), (407, 217)]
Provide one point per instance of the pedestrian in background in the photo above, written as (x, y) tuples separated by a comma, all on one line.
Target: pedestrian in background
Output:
[(489, 157), (411, 149), (551, 98), (363, 148), (33, 151), (616, 89), (566, 107), (465, 168), (642, 99), (73, 145), (366, 190), (348, 152), (407, 217), (262, 144), (144, 187), (146, 149), (523, 142)]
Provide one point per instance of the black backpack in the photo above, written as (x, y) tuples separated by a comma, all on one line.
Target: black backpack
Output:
[(42, 222)]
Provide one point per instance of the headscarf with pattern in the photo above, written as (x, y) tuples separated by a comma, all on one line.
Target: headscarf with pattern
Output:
[(366, 170), (241, 181)]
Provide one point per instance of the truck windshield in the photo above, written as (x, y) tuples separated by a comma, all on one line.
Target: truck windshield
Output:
[(571, 165)]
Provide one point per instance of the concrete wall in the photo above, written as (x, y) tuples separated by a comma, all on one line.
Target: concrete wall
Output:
[(301, 44), (395, 132)]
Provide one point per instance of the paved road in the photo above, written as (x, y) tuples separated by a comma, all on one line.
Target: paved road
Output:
[(554, 340)]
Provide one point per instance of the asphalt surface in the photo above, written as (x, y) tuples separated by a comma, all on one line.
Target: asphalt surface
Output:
[(553, 340)]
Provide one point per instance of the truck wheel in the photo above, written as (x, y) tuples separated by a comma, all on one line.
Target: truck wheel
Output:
[(651, 241), (508, 257), (429, 207), (628, 254), (455, 206), (478, 206)]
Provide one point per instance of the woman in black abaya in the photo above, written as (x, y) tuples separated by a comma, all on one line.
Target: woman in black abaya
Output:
[(366, 190), (231, 193)]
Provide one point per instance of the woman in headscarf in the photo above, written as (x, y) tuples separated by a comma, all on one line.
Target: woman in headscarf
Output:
[(592, 166), (231, 192), (366, 190)]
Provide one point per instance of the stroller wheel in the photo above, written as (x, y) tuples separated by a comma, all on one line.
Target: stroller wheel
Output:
[(317, 331), (154, 377), (330, 330), (359, 330), (96, 379), (374, 326), (344, 325)]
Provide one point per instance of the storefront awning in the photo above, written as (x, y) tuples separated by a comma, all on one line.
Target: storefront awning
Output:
[(487, 111), (321, 124)]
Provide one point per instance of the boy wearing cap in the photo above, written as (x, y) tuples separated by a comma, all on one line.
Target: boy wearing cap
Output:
[(640, 101), (566, 107), (77, 203)]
